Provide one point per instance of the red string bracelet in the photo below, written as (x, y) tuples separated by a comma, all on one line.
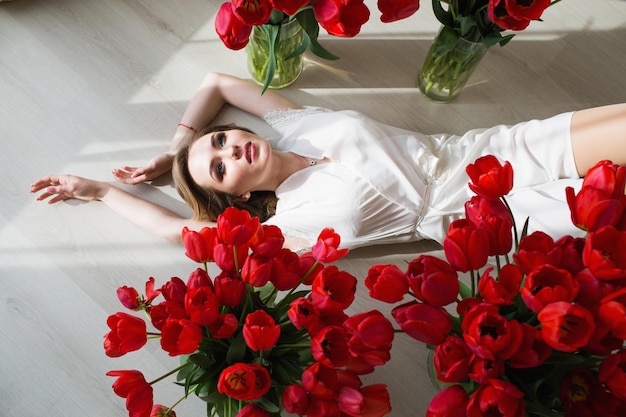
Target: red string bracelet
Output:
[(188, 127)]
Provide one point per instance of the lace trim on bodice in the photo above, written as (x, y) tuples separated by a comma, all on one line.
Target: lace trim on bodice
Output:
[(281, 115)]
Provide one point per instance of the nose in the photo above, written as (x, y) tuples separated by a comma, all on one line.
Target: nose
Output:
[(235, 152)]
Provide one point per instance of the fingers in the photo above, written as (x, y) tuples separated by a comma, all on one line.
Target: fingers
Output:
[(43, 183), (129, 175), (50, 191)]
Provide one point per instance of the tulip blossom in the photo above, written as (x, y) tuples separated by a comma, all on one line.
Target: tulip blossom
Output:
[(533, 350), (128, 333), (605, 253), (252, 12), (490, 335), (449, 402), (199, 278), (159, 410), (260, 331), (493, 216), (466, 247), (433, 280), (452, 359), (320, 381), (612, 313), (386, 283), (252, 410), (333, 289), (525, 9), (290, 7), (268, 240), (229, 258), (199, 245), (369, 401), (482, 370), (502, 291), (535, 250), (613, 373), (424, 322), (174, 290), (326, 247), (497, 398), (256, 271), (129, 297), (244, 381), (231, 30), (583, 395), (165, 310), (393, 10), (295, 399), (369, 338), (230, 290), (341, 17), (180, 336), (548, 284), (489, 178), (236, 227), (566, 326), (303, 313), (498, 13), (330, 347), (138, 393), (285, 270), (224, 327), (202, 305)]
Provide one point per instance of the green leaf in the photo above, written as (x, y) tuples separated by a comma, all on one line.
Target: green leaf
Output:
[(464, 290), (311, 28), (271, 66), (237, 349), (445, 17)]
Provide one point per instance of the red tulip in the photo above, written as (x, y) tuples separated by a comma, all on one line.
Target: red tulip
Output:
[(583, 395), (490, 335), (232, 31), (319, 407), (386, 283), (180, 336), (482, 370), (566, 326), (605, 253), (571, 250), (129, 297), (333, 289), (433, 280), (489, 178), (202, 305), (252, 12), (138, 393), (613, 373), (369, 338), (393, 10), (377, 401), (423, 322), (449, 402), (303, 313), (244, 381), (199, 245), (159, 410), (466, 247), (535, 250), (285, 270), (320, 381), (174, 290), (325, 249), (548, 284), (295, 399), (533, 351), (498, 398), (225, 326), (128, 333), (256, 270), (502, 291), (260, 331), (524, 9), (161, 312), (612, 314), (330, 347), (452, 359), (341, 17), (199, 278), (498, 14), (268, 240), (229, 290), (236, 227), (493, 216), (253, 410)]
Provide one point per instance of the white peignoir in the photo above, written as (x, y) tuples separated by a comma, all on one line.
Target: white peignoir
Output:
[(388, 185)]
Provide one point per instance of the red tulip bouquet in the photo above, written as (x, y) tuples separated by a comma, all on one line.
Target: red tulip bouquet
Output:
[(236, 20), (539, 335), (244, 349)]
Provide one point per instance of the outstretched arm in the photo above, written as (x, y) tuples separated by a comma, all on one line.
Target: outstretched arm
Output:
[(150, 216), (215, 91)]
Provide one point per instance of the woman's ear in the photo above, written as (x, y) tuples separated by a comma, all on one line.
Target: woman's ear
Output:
[(243, 197)]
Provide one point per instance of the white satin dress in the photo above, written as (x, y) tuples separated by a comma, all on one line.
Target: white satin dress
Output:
[(385, 185)]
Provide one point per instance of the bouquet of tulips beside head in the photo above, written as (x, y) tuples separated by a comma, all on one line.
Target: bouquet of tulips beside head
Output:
[(244, 349), (236, 19), (539, 335)]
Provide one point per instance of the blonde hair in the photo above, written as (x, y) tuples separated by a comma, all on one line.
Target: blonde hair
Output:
[(208, 204)]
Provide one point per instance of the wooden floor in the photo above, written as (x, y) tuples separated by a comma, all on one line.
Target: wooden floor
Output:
[(86, 86)]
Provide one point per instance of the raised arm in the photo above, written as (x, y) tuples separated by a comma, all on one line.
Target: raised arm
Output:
[(150, 216), (215, 91)]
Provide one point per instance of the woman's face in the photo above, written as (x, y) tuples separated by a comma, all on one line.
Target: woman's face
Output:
[(232, 161)]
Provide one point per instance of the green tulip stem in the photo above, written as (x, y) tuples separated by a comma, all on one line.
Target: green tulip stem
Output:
[(180, 400), (473, 282), (173, 371)]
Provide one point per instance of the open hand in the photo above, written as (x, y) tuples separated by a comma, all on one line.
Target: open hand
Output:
[(135, 175), (63, 187)]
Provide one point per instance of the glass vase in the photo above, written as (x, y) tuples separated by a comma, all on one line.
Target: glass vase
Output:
[(450, 62), (287, 64)]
